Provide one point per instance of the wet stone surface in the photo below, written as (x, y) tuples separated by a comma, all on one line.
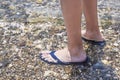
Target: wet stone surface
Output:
[(34, 10)]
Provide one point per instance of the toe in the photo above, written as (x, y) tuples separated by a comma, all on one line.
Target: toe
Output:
[(49, 58), (45, 52)]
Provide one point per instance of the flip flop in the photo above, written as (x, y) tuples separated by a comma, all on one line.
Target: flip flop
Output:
[(59, 62), (99, 43)]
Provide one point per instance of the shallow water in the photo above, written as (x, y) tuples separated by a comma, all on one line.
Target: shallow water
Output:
[(32, 10), (107, 9)]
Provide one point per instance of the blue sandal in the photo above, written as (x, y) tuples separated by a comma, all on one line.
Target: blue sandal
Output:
[(99, 43), (59, 62)]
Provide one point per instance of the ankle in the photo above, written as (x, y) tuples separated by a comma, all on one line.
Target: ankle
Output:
[(76, 51), (77, 54), (95, 35), (93, 31)]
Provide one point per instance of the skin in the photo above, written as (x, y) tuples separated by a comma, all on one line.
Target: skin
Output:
[(72, 11), (92, 28)]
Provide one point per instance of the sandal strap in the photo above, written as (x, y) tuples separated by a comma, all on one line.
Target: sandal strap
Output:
[(52, 53)]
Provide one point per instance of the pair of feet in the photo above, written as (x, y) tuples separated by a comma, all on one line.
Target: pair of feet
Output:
[(73, 55)]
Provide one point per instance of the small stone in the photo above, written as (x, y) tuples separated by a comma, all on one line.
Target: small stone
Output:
[(105, 62), (4, 63), (30, 66), (116, 44), (48, 73), (10, 65), (22, 43), (12, 7), (100, 78), (29, 43), (67, 70), (35, 19), (2, 12), (108, 75), (38, 1), (65, 77), (98, 66), (38, 46)]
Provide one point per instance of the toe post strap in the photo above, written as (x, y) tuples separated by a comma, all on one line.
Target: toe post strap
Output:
[(52, 53)]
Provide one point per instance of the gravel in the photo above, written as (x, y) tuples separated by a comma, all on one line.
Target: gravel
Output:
[(23, 35), (21, 43)]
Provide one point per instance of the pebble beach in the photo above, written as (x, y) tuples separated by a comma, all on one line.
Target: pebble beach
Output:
[(28, 27)]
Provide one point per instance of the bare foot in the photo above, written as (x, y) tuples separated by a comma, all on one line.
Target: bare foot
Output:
[(65, 56), (92, 36)]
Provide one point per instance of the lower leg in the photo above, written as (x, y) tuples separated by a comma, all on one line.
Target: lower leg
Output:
[(90, 11), (72, 17)]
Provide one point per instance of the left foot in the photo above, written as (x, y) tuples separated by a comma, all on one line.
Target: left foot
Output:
[(64, 55)]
